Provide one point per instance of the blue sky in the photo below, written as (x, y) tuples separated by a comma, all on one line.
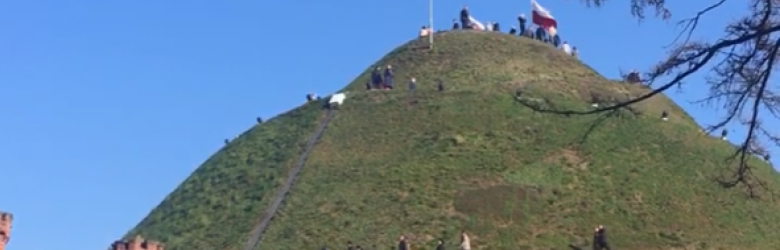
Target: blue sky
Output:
[(109, 105)]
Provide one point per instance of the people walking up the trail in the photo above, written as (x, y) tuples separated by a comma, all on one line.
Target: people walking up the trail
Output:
[(440, 244), (521, 21), (496, 27), (259, 119), (665, 115), (540, 34), (455, 25), (440, 85), (574, 51), (465, 20), (376, 78), (566, 48), (513, 31), (403, 244), (389, 75), (600, 238), (465, 242), (412, 84)]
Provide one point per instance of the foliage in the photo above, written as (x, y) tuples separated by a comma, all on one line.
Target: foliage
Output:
[(740, 64)]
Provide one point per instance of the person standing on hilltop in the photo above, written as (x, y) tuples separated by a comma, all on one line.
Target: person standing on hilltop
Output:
[(521, 20), (465, 242), (540, 33), (465, 20), (455, 25)]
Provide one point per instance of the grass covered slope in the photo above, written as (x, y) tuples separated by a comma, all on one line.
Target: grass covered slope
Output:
[(429, 164)]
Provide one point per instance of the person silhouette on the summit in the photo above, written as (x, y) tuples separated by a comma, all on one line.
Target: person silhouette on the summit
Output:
[(496, 27), (512, 31), (521, 21), (556, 40), (465, 20), (455, 25), (540, 34), (600, 238)]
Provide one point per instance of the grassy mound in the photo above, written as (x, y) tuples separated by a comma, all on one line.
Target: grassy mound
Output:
[(428, 164)]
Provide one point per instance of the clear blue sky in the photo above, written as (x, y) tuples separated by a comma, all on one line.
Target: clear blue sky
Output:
[(109, 105)]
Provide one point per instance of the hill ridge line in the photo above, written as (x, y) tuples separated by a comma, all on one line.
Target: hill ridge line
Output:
[(257, 232)]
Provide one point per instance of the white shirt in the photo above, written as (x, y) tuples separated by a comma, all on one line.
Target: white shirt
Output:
[(567, 48)]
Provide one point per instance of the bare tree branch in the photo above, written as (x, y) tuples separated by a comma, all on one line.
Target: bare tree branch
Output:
[(739, 67)]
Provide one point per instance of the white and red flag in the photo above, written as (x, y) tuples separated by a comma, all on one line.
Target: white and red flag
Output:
[(542, 17)]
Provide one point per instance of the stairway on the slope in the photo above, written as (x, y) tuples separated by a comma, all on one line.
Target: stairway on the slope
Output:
[(257, 231)]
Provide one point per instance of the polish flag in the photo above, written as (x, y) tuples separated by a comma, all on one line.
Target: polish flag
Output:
[(541, 16)]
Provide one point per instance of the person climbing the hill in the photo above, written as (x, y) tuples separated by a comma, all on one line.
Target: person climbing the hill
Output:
[(574, 52), (455, 25), (600, 238), (412, 84), (349, 246), (389, 75), (465, 242), (440, 85), (403, 244), (440, 244), (465, 18), (376, 78), (521, 21)]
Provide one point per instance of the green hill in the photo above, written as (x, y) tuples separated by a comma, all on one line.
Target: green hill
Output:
[(431, 163)]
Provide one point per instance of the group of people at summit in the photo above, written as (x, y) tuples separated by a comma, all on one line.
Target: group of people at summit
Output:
[(543, 28)]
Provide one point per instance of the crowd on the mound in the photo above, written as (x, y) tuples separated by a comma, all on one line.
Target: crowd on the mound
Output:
[(599, 242), (547, 35)]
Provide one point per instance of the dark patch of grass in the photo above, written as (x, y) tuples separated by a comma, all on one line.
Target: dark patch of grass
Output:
[(429, 164)]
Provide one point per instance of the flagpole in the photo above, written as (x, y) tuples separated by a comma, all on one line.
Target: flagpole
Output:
[(430, 23)]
